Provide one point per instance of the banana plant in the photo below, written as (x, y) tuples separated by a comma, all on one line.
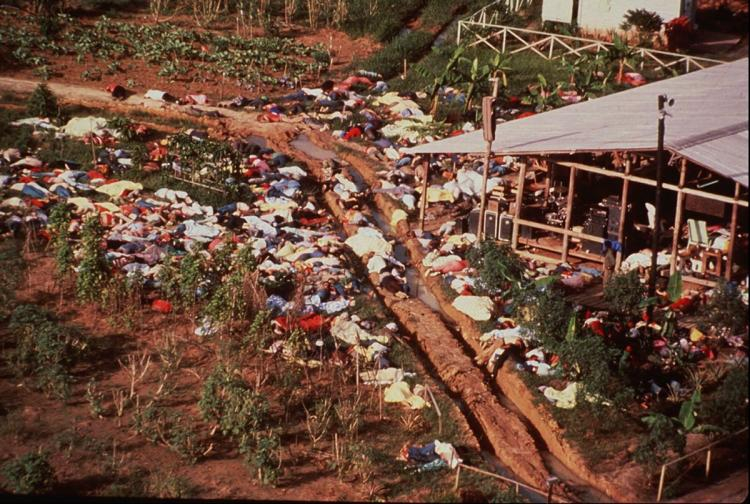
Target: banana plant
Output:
[(623, 54), (542, 95), (477, 75), (446, 78)]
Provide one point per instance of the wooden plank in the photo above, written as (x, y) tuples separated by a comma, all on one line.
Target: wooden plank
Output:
[(732, 232), (519, 202), (568, 212), (677, 219), (623, 212), (652, 183), (557, 230)]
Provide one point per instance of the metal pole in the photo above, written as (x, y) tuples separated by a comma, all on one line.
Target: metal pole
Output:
[(657, 202), (708, 462), (485, 175)]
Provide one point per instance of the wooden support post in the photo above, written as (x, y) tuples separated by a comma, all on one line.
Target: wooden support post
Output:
[(568, 212), (623, 212), (732, 232), (678, 218), (403, 77), (519, 202), (423, 196), (458, 479), (708, 462), (661, 482)]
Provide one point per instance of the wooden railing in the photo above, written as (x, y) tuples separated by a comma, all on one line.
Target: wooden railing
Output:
[(518, 485), (484, 28), (706, 448)]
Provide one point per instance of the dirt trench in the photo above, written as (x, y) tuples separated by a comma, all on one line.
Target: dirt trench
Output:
[(623, 483)]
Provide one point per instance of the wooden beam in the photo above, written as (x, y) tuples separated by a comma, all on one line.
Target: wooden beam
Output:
[(568, 211), (423, 198), (519, 202), (678, 219), (732, 231), (579, 254), (560, 231), (652, 183), (623, 212)]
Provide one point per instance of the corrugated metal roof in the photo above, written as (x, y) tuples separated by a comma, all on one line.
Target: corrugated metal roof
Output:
[(708, 123)]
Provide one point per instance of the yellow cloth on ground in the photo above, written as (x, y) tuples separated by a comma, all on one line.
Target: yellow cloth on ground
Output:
[(398, 216), (399, 392), (696, 335), (114, 189), (81, 203), (436, 194), (566, 398)]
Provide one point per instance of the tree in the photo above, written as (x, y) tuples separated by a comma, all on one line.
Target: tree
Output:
[(42, 102), (646, 22)]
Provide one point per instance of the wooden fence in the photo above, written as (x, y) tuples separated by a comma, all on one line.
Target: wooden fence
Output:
[(483, 28)]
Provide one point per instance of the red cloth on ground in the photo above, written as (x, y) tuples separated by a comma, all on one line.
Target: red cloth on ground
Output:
[(313, 221), (354, 132), (161, 306), (525, 114), (681, 304), (311, 322)]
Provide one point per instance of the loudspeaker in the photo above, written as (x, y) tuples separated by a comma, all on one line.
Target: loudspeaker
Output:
[(473, 221), (506, 228), (490, 225)]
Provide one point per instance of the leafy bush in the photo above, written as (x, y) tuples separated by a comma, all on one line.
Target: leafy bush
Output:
[(30, 473), (59, 223), (727, 406), (229, 402), (263, 457), (44, 348), (663, 437), (498, 266), (546, 314), (42, 102), (624, 293), (724, 310), (93, 269)]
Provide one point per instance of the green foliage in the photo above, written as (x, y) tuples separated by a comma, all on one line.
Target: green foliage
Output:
[(259, 334), (389, 61), (663, 437), (229, 402), (499, 268), (263, 456), (93, 269), (546, 314), (58, 225), (29, 474), (44, 349), (12, 265), (726, 407), (644, 20), (123, 126), (42, 102), (94, 399), (624, 293), (190, 277), (724, 310), (381, 20), (674, 288), (158, 424)]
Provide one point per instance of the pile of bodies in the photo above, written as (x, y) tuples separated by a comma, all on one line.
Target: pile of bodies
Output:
[(288, 233)]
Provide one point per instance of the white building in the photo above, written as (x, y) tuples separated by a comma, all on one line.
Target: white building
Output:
[(609, 14)]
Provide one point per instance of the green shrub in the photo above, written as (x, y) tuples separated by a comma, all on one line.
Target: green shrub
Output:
[(59, 223), (724, 310), (30, 473), (229, 402), (547, 314), (498, 266), (93, 269), (42, 102), (727, 406), (624, 293), (44, 349)]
